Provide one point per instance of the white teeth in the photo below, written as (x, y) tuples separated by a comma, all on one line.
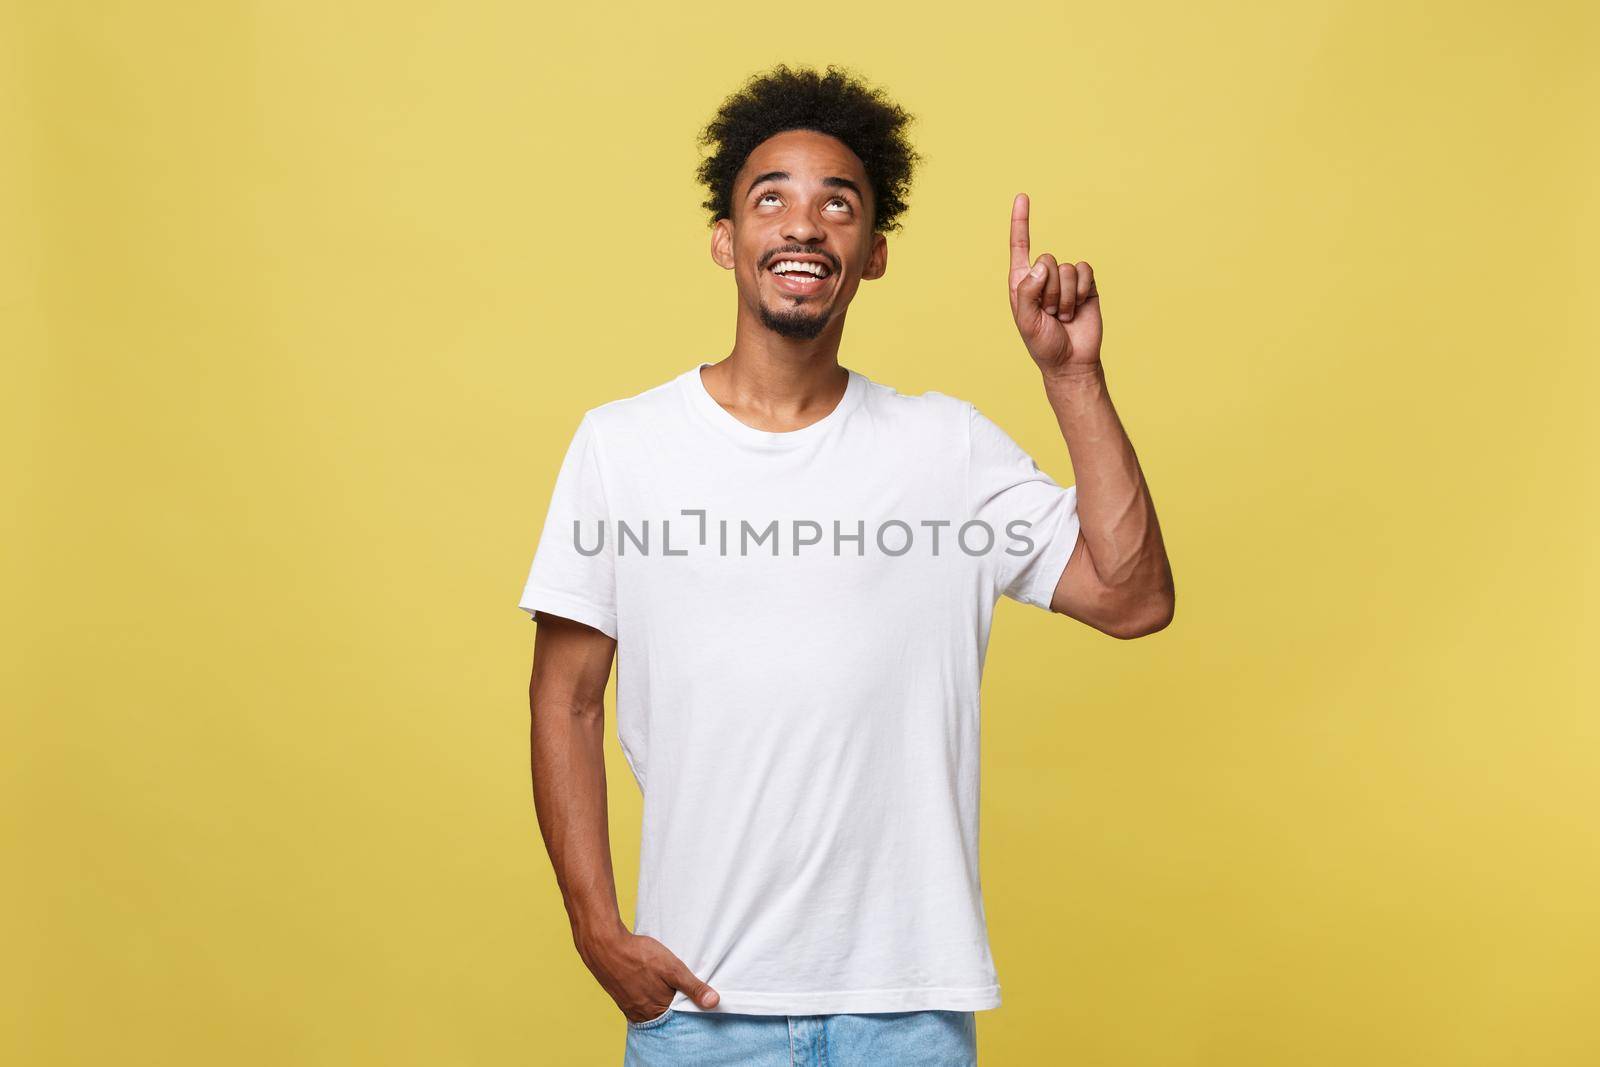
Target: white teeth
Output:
[(815, 269)]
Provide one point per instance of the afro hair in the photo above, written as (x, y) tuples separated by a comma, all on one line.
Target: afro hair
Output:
[(835, 102)]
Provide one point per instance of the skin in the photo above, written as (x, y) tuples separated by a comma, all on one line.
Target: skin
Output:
[(783, 374)]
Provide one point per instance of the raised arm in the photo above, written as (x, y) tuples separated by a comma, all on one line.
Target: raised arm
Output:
[(566, 699), (1118, 578)]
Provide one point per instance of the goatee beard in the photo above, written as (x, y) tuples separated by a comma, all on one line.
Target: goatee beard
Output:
[(794, 323)]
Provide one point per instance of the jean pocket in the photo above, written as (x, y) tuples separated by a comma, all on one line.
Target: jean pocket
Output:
[(650, 1023)]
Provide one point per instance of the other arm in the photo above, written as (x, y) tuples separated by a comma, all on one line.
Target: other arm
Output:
[(566, 698)]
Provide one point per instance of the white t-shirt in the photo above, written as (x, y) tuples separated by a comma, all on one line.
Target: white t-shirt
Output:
[(801, 621)]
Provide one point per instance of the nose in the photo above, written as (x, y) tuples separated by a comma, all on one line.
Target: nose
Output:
[(801, 227)]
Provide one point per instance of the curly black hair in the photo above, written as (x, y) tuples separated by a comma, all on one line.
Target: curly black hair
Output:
[(837, 103)]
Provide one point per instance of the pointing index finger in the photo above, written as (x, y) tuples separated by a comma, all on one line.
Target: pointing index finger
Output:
[(1019, 233)]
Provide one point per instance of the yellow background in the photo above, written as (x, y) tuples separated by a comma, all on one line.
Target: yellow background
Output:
[(302, 301)]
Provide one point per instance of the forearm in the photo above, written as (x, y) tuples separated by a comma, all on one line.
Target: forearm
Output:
[(569, 790), (1116, 513)]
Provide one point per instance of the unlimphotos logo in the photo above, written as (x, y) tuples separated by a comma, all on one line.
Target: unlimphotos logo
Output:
[(778, 537)]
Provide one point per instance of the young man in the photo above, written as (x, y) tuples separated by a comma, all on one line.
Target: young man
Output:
[(796, 568)]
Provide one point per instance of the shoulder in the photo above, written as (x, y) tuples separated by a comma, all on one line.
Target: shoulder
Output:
[(640, 412), (950, 419), (935, 408)]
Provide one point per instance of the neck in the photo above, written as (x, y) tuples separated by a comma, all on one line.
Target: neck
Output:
[(779, 383)]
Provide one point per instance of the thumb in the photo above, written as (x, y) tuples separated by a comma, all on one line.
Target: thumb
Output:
[(697, 990), (1029, 292)]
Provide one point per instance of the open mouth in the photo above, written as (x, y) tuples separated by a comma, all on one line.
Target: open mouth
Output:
[(800, 274)]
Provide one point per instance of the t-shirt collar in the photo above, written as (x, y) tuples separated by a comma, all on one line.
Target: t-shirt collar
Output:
[(719, 417)]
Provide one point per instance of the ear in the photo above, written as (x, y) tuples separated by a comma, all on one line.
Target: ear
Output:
[(722, 244), (877, 259)]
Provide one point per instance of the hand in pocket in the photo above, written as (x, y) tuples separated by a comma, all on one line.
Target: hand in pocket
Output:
[(643, 976)]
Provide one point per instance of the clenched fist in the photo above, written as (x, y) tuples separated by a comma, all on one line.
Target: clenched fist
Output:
[(1056, 306)]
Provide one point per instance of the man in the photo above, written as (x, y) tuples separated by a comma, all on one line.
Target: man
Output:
[(796, 568)]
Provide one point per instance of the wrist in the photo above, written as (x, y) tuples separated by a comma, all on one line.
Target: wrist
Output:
[(597, 931), (1073, 376)]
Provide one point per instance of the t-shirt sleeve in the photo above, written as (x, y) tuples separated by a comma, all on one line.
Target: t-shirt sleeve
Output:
[(573, 573), (1035, 520)]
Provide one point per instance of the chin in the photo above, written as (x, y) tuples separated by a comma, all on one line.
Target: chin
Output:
[(800, 326)]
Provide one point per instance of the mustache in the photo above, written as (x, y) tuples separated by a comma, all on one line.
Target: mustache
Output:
[(833, 261)]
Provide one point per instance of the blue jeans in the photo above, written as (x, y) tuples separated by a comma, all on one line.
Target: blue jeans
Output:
[(878, 1039)]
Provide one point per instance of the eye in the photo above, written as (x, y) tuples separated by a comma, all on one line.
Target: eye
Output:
[(841, 201), (763, 196)]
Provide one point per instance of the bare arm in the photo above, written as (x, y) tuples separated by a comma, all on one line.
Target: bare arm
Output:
[(566, 698), (1118, 578)]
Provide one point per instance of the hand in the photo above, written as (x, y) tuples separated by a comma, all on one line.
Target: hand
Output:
[(1056, 307), (642, 975)]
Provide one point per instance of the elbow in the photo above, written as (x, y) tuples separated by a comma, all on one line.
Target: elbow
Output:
[(1151, 615)]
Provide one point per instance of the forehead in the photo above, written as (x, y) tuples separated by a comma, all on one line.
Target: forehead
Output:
[(807, 155)]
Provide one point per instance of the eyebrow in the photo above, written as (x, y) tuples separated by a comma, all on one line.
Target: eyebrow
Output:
[(783, 176)]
